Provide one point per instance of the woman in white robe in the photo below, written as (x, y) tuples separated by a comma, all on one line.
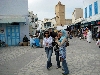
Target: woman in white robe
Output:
[(89, 36)]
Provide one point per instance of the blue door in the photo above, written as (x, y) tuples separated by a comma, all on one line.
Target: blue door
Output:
[(13, 35), (2, 37)]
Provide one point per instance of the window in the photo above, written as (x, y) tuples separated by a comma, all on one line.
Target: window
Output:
[(86, 12), (32, 20), (90, 10), (36, 19), (45, 26), (96, 7)]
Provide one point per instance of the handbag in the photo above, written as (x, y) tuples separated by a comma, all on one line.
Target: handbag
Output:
[(67, 43)]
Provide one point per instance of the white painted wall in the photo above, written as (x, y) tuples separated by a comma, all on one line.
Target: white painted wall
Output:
[(86, 3), (24, 30), (13, 7)]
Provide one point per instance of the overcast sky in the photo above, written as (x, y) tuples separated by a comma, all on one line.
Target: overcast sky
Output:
[(46, 8)]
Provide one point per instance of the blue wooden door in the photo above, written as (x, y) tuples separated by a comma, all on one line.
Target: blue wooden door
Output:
[(13, 35), (2, 37)]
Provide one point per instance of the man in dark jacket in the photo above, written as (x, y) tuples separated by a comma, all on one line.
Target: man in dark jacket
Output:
[(25, 39)]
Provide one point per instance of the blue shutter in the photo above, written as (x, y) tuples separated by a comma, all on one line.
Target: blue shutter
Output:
[(90, 10), (86, 12), (96, 7)]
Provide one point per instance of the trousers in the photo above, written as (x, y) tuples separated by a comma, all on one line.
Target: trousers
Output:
[(49, 54)]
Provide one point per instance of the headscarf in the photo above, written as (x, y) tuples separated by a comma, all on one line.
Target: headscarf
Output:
[(64, 35)]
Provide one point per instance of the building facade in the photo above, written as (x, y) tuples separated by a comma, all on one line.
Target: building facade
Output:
[(33, 23), (48, 23), (68, 21), (13, 21), (91, 13), (78, 13), (91, 9), (60, 14)]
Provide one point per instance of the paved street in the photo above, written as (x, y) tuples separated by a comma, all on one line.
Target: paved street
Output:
[(83, 59)]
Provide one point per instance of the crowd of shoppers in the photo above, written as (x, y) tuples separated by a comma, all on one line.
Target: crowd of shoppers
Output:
[(86, 33)]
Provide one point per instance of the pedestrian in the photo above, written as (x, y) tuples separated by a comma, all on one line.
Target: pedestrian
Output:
[(85, 34), (98, 42), (89, 36), (56, 49), (41, 39), (32, 41), (37, 39), (62, 51), (47, 43)]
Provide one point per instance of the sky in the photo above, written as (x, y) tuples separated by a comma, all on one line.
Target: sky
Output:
[(46, 8)]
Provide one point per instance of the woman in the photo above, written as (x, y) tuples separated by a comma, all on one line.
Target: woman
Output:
[(47, 43), (89, 36), (56, 49), (85, 34), (62, 50)]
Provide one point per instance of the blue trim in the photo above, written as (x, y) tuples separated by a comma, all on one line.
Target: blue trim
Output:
[(86, 12)]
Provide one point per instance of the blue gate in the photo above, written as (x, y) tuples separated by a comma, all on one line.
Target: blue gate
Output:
[(2, 37), (13, 35)]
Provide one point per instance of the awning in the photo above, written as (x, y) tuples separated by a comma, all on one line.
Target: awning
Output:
[(82, 25), (93, 22), (84, 21), (12, 19)]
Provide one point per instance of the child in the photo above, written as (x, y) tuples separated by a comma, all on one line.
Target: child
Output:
[(32, 41)]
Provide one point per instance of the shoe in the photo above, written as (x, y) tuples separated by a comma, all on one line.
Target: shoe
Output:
[(65, 74), (62, 69), (99, 46), (58, 67), (51, 65), (48, 68)]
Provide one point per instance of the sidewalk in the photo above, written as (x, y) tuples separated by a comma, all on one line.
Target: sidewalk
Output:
[(83, 59)]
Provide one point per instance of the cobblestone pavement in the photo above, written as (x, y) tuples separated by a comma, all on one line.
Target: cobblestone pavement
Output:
[(83, 59)]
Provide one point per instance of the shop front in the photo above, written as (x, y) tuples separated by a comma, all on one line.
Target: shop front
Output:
[(11, 30)]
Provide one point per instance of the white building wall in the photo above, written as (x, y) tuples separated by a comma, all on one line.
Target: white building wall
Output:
[(13, 7), (86, 3), (73, 18), (24, 30), (16, 8)]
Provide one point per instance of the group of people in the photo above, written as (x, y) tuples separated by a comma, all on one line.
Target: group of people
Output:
[(36, 40), (53, 41), (56, 41), (86, 33)]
